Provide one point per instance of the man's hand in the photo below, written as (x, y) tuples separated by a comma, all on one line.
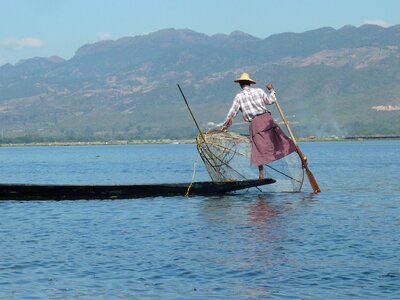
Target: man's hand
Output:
[(226, 125), (270, 86)]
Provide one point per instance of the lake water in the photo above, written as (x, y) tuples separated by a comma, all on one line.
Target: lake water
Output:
[(340, 244)]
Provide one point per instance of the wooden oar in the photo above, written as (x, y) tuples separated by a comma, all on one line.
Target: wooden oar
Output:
[(310, 175)]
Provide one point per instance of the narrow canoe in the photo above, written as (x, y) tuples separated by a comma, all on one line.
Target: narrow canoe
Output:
[(74, 192)]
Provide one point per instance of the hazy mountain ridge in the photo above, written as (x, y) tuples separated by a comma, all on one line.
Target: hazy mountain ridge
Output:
[(127, 88), (355, 57)]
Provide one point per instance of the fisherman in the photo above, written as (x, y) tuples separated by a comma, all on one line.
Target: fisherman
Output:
[(268, 141)]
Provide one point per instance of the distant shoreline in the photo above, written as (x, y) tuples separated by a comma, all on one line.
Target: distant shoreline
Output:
[(373, 137), (350, 138), (189, 141), (100, 143)]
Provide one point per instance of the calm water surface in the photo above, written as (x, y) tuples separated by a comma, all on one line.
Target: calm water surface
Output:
[(340, 244)]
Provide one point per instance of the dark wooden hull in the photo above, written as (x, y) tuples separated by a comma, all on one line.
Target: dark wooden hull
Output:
[(74, 192)]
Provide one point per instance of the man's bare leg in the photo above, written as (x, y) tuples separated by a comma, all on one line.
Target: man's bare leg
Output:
[(261, 172)]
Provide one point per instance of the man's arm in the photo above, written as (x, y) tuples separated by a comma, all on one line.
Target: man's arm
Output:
[(271, 98), (231, 115)]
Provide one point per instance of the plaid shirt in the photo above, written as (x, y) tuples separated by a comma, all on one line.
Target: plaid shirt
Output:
[(251, 102)]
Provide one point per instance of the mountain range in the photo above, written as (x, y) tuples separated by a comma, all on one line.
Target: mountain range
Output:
[(330, 82)]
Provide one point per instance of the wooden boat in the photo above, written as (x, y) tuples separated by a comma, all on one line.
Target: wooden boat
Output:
[(75, 192)]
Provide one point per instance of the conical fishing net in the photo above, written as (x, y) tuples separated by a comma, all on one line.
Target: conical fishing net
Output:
[(226, 156)]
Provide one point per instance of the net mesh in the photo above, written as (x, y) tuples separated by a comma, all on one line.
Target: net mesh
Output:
[(226, 156)]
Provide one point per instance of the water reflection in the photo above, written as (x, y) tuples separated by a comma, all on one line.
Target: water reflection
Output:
[(253, 208), (262, 211), (250, 236)]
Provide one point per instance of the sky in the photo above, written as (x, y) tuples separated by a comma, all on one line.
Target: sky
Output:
[(43, 28)]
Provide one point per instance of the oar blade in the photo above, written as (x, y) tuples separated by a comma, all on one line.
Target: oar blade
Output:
[(313, 181)]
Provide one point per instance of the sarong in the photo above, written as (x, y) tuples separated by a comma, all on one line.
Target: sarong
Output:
[(268, 141)]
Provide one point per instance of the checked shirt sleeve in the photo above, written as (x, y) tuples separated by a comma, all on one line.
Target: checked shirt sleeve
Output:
[(234, 109)]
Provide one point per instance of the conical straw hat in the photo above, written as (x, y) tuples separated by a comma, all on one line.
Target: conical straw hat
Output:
[(245, 77)]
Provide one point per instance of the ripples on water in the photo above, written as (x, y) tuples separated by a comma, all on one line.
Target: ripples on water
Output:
[(341, 243)]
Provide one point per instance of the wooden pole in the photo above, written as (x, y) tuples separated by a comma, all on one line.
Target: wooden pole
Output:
[(310, 175), (191, 113)]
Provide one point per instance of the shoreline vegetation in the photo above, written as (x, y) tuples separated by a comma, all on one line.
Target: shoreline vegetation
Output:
[(189, 141)]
